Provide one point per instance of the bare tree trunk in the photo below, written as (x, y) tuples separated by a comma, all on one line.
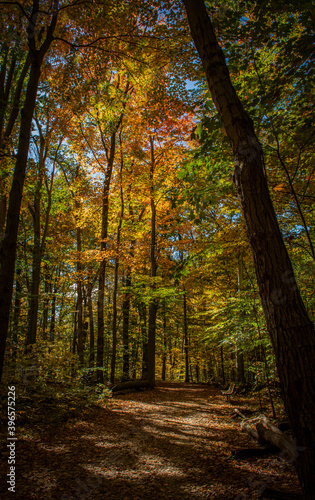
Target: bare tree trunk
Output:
[(291, 330)]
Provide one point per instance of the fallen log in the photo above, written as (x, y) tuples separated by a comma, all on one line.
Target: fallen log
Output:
[(277, 439), (237, 411), (267, 432), (267, 423), (249, 420), (251, 431)]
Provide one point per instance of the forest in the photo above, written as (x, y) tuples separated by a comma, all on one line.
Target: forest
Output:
[(157, 190)]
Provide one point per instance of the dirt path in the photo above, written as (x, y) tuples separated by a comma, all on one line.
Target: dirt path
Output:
[(173, 442)]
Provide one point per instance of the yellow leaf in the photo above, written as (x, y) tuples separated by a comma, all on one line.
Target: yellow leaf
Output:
[(279, 187)]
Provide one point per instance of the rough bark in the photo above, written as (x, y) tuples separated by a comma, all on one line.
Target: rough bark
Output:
[(290, 329)]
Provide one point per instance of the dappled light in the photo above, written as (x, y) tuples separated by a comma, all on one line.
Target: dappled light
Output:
[(172, 442)]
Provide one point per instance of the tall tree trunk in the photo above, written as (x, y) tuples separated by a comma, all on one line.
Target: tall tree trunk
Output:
[(290, 329), (154, 302), (144, 336), (151, 341), (16, 315), (104, 230), (38, 244), (7, 84), (36, 264), (164, 348), (222, 365), (114, 331), (53, 315), (125, 329), (134, 356), (8, 247), (46, 301), (197, 372), (186, 346), (74, 339), (91, 324), (102, 270), (79, 332), (114, 327)]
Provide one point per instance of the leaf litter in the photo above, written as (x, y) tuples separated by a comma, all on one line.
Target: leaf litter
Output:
[(172, 442)]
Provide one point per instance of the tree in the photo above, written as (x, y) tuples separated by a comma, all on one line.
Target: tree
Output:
[(291, 331), (40, 234), (8, 247)]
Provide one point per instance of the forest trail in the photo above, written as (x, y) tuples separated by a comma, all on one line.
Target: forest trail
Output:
[(173, 442)]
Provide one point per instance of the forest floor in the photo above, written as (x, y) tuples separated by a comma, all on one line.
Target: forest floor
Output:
[(173, 442)]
